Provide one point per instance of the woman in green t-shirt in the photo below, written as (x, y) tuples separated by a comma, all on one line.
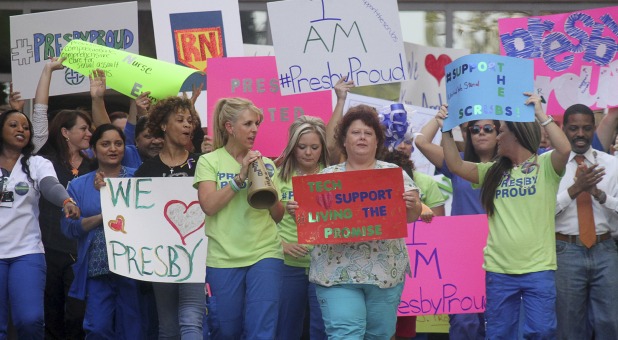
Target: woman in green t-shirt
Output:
[(518, 191), (245, 258), (305, 154)]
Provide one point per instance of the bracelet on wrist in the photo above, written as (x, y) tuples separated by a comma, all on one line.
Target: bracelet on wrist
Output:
[(234, 186), (67, 201), (548, 121), (450, 132), (240, 184)]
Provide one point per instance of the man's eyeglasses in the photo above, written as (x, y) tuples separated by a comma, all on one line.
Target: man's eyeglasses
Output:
[(476, 129)]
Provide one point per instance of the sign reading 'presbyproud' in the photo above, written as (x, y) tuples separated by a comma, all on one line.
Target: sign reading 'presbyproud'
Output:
[(350, 206)]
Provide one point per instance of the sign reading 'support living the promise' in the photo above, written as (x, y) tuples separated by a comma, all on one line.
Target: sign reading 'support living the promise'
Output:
[(350, 206)]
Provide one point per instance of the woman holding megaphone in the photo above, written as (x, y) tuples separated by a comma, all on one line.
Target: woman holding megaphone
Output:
[(245, 257)]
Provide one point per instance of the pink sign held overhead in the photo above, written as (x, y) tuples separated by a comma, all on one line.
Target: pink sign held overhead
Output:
[(446, 259), (256, 79), (575, 56)]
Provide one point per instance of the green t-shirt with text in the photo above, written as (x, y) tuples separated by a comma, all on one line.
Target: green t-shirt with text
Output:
[(521, 235), (238, 235)]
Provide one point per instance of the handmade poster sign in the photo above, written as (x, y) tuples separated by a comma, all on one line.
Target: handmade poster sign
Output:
[(348, 207), (488, 86), (323, 41), (37, 37), (190, 33), (426, 85), (575, 56), (154, 229), (255, 78), (446, 259), (127, 73)]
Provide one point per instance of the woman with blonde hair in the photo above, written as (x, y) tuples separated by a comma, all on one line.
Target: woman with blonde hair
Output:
[(245, 257), (305, 154)]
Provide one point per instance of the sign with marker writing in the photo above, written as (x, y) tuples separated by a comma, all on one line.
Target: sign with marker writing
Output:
[(446, 259), (255, 78), (488, 86), (346, 207), (127, 73), (575, 56), (37, 37), (154, 229), (191, 33), (319, 42), (426, 84)]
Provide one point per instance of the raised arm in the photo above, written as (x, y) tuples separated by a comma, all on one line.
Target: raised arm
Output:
[(40, 122), (464, 169), (341, 91), (431, 151), (97, 92), (560, 143), (607, 128)]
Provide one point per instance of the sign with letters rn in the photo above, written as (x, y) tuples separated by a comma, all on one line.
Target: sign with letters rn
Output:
[(191, 33), (255, 78), (488, 86), (575, 56), (319, 42), (37, 37), (347, 206), (154, 229), (446, 259)]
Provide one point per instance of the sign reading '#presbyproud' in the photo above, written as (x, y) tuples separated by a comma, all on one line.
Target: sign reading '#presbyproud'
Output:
[(350, 206)]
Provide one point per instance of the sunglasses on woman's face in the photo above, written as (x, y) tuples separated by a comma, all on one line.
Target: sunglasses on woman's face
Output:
[(476, 129)]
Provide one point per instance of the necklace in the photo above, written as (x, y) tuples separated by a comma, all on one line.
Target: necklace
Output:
[(299, 172), (74, 169), (180, 164)]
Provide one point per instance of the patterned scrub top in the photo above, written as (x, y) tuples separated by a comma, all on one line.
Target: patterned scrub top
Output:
[(379, 262)]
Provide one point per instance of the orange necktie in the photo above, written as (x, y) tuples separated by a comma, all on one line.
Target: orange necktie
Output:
[(587, 233)]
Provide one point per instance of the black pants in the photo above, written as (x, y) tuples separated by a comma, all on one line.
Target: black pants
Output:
[(64, 315)]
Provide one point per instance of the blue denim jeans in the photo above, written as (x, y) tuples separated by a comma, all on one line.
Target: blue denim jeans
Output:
[(112, 308), (180, 309), (359, 311), (587, 290), (22, 285), (245, 301), (466, 326), (296, 292), (506, 293)]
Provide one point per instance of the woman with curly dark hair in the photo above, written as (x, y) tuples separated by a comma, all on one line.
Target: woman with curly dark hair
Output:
[(24, 179), (180, 306)]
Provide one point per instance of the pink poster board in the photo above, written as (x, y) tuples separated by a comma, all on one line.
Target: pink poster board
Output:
[(256, 79), (574, 55), (446, 258)]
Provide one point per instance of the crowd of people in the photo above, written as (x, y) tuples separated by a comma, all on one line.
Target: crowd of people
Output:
[(551, 262)]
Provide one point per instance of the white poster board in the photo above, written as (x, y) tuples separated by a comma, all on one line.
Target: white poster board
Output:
[(417, 118), (253, 50), (154, 229), (318, 42), (40, 36), (426, 84)]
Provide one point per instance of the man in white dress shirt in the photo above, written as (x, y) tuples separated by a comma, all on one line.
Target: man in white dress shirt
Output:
[(587, 274)]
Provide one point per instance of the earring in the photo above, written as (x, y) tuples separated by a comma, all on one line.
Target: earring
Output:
[(67, 139)]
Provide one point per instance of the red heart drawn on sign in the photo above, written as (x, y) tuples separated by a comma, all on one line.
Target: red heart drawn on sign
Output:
[(435, 67), (117, 224), (185, 219), (325, 200)]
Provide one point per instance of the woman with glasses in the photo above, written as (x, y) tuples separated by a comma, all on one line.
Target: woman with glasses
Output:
[(518, 191), (480, 138)]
